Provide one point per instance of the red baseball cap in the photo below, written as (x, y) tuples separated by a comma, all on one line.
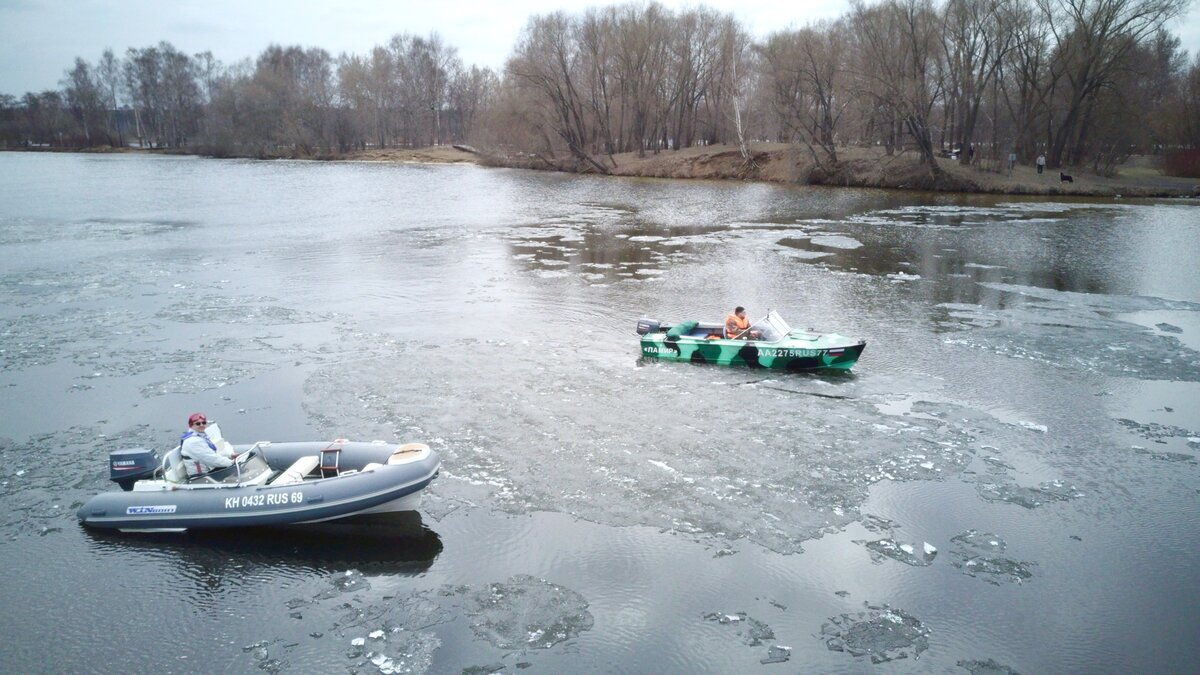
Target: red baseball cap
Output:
[(196, 417)]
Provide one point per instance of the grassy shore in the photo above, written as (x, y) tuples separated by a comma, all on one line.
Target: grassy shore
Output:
[(872, 167)]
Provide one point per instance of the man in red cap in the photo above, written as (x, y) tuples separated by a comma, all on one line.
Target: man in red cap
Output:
[(199, 454)]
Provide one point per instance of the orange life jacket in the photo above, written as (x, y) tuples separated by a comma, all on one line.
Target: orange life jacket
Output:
[(735, 324)]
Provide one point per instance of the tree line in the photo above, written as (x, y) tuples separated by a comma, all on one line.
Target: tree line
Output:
[(1083, 82), (289, 101)]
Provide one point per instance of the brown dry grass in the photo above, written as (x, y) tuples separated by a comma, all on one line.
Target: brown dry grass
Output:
[(442, 154), (871, 167)]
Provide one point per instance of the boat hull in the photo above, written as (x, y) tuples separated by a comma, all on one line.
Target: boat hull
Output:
[(788, 354), (367, 483)]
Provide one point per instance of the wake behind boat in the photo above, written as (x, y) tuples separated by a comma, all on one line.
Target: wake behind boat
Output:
[(268, 484), (769, 343)]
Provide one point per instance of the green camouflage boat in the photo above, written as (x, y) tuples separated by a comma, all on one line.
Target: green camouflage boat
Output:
[(769, 343)]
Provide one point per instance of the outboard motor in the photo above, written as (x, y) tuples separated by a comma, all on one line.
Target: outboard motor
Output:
[(648, 326), (126, 467)]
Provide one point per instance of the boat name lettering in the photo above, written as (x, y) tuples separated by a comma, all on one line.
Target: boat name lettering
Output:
[(140, 510), (790, 353), (267, 499), (658, 350)]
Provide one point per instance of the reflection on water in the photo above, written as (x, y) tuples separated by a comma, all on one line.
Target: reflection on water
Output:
[(386, 544), (1032, 377)]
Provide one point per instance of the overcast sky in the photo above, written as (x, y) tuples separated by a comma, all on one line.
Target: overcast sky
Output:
[(39, 39)]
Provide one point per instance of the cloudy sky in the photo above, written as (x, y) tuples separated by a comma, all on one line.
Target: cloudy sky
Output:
[(39, 39)]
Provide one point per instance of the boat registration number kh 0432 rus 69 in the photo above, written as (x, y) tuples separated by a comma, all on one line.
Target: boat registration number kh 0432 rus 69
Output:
[(269, 499)]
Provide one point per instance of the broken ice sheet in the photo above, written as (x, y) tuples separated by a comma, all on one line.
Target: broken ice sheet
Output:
[(414, 655), (989, 667), (526, 612), (878, 524), (777, 654), (1005, 490), (1062, 328), (1156, 432), (882, 633), (909, 554), (752, 631), (977, 554), (350, 581)]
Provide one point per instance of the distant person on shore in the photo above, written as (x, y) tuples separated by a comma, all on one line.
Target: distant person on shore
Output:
[(1012, 161), (200, 455), (1041, 163), (737, 326)]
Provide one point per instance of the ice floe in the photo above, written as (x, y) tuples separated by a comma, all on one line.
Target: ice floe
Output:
[(978, 554), (880, 633), (527, 613)]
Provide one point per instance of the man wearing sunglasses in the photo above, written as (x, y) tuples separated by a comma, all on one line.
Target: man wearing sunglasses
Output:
[(199, 454)]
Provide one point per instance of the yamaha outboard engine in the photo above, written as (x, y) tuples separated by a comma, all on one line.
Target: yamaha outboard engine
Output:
[(648, 326), (127, 467)]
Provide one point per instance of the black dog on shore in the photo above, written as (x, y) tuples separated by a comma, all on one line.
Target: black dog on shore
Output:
[(1065, 177)]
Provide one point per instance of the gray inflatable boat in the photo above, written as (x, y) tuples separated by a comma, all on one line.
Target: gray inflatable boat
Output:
[(268, 484)]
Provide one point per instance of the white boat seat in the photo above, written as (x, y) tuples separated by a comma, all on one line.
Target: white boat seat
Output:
[(297, 471), (407, 452), (172, 466)]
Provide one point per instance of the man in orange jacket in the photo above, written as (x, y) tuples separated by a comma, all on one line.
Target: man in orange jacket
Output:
[(737, 326)]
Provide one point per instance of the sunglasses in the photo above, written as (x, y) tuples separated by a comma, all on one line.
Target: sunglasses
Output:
[(199, 424)]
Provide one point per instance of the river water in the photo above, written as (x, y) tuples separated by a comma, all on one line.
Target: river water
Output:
[(1007, 482)]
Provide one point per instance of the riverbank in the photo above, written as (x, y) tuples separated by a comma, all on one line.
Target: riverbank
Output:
[(872, 167), (781, 163)]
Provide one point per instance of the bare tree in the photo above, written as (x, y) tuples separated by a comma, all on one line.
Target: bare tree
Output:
[(84, 99), (108, 78), (804, 69), (1092, 37), (734, 52), (471, 91), (547, 61), (976, 38), (897, 65)]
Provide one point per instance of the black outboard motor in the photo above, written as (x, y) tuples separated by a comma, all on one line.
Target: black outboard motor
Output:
[(648, 326), (127, 467)]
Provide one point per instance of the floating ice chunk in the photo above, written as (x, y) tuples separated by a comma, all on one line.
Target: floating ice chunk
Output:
[(905, 553), (776, 654), (662, 465), (1041, 428), (375, 634), (548, 614), (836, 241), (926, 465), (358, 642), (881, 633)]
